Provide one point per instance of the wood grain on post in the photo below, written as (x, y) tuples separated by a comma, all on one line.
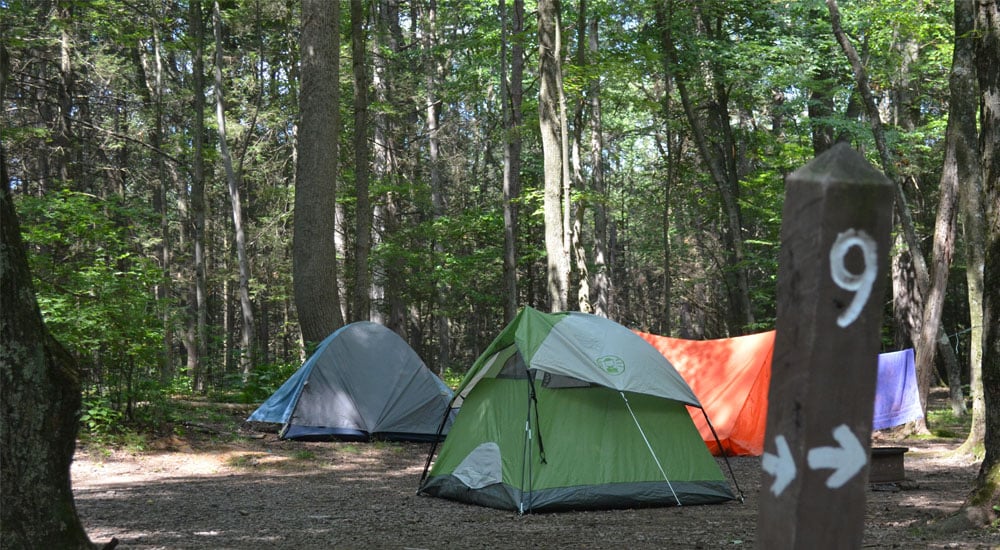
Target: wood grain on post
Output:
[(831, 278)]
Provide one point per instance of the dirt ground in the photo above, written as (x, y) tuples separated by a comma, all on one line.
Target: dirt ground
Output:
[(255, 491)]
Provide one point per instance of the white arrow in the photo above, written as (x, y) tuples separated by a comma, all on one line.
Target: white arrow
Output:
[(781, 466), (846, 460)]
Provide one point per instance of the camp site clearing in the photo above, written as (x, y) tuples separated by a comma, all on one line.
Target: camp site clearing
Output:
[(206, 490)]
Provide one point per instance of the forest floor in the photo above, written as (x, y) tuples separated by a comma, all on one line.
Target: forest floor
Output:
[(221, 485)]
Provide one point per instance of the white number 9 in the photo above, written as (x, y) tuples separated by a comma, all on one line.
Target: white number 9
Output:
[(859, 283)]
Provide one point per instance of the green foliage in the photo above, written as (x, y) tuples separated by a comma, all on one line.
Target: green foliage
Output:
[(943, 423), (113, 253), (452, 378), (264, 380), (100, 419), (95, 288)]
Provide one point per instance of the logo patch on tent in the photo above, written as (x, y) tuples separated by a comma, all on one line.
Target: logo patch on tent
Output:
[(611, 364)]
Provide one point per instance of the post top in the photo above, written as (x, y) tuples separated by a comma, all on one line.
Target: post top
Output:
[(840, 164)]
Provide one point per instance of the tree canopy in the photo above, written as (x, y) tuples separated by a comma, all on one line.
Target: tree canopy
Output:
[(144, 138)]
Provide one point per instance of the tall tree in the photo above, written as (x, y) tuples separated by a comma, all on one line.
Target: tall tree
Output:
[(40, 396), (961, 164), (433, 76), (314, 256), (362, 166), (197, 333), (579, 253), (974, 227), (511, 96), (387, 306), (903, 212), (603, 283), (549, 119), (987, 492), (715, 141), (233, 179)]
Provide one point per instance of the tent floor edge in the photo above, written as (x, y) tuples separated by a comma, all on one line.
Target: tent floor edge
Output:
[(612, 496)]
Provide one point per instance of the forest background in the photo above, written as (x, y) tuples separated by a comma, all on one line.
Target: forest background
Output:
[(203, 202)]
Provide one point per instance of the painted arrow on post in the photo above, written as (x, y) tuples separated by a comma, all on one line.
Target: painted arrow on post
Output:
[(846, 460), (781, 466)]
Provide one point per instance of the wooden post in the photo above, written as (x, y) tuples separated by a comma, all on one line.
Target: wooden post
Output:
[(831, 278)]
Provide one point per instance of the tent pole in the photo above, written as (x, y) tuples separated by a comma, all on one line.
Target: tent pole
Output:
[(526, 455), (538, 428), (725, 455), (437, 438), (650, 447)]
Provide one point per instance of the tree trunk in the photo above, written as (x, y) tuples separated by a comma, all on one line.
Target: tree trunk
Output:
[(987, 492), (314, 250), (511, 95), (233, 179), (434, 74), (972, 196), (361, 306), (387, 307), (198, 352), (672, 154), (580, 208), (960, 164), (549, 52), (720, 159), (63, 140), (40, 396), (821, 110), (603, 284)]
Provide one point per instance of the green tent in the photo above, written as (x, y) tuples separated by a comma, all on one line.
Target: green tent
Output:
[(571, 411)]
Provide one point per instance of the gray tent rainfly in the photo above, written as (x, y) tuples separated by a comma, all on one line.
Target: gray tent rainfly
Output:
[(363, 382)]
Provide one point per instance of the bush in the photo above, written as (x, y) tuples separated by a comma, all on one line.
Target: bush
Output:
[(265, 380), (99, 419)]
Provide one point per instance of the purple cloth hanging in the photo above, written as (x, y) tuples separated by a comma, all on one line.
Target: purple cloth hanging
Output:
[(897, 400)]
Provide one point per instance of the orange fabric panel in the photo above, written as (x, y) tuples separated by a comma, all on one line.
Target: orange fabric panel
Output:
[(731, 378)]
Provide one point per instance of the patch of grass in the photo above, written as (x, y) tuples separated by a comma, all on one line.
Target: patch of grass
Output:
[(943, 423), (385, 445), (242, 461), (350, 448), (134, 442), (304, 455), (106, 444)]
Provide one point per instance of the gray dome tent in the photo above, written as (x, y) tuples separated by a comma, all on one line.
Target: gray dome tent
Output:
[(363, 382)]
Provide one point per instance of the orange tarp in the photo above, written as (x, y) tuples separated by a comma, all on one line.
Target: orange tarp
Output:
[(731, 378)]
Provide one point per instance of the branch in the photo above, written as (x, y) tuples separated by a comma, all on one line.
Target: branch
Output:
[(902, 206)]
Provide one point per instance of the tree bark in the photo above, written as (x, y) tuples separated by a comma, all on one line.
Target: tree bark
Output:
[(198, 350), (549, 52), (961, 163), (720, 159), (511, 96), (361, 306), (387, 307), (576, 159), (972, 197), (603, 283), (314, 250), (39, 405), (987, 492), (233, 179), (434, 74)]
